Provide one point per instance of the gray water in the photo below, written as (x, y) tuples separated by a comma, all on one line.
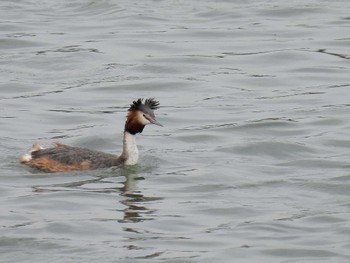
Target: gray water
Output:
[(252, 164)]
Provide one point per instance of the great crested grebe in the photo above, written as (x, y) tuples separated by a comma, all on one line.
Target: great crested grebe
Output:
[(64, 158)]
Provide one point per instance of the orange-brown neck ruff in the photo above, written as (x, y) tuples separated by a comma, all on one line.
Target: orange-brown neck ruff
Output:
[(133, 124)]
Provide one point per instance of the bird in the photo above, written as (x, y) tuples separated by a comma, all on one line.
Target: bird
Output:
[(64, 158)]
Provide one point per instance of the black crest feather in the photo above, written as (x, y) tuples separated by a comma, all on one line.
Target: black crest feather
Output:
[(150, 103), (136, 104)]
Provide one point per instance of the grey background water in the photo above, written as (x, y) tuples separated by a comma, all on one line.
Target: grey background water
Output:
[(252, 164)]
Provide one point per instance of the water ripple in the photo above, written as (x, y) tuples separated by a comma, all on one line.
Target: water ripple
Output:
[(252, 161)]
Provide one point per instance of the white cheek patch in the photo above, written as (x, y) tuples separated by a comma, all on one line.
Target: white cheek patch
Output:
[(142, 119)]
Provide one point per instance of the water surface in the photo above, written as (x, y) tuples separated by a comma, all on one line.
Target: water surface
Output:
[(252, 163)]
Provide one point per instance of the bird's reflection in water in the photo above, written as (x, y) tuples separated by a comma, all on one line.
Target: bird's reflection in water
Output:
[(133, 206), (135, 201), (110, 181)]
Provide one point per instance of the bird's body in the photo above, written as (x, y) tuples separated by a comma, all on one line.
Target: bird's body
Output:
[(64, 158)]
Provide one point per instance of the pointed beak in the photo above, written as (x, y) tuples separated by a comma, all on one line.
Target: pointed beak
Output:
[(154, 121)]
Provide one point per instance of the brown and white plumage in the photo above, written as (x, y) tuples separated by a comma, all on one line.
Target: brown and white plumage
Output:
[(64, 158)]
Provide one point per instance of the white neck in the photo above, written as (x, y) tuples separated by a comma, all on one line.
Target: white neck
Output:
[(130, 152)]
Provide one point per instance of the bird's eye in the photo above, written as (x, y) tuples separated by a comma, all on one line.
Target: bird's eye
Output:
[(145, 116)]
